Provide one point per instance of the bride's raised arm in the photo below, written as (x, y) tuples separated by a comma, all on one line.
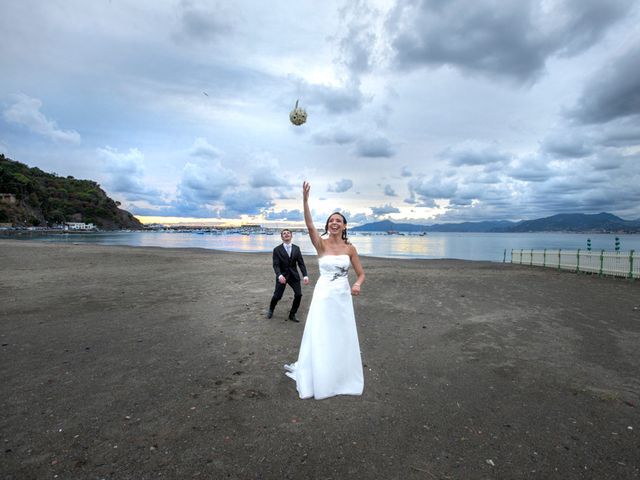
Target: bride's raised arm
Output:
[(313, 233)]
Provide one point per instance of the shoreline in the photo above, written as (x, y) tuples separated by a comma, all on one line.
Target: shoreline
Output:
[(474, 247), (133, 362)]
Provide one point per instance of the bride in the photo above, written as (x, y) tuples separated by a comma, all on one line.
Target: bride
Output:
[(329, 359)]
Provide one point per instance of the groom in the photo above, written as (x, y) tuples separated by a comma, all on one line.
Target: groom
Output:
[(286, 260)]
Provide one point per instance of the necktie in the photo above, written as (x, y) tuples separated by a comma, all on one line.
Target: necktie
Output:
[(288, 249)]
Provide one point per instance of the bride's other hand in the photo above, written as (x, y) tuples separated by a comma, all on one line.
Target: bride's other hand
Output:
[(355, 290)]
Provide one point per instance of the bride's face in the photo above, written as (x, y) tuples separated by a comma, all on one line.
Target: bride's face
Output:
[(336, 224)]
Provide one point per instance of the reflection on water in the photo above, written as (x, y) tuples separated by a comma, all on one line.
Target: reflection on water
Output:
[(466, 246)]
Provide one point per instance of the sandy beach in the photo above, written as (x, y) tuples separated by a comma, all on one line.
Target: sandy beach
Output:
[(140, 363)]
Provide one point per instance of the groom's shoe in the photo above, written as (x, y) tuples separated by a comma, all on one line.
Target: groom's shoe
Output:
[(293, 318), (269, 313)]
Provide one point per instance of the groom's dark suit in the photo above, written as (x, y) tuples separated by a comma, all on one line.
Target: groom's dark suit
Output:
[(287, 266)]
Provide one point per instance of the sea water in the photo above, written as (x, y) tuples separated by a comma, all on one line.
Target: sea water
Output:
[(494, 247)]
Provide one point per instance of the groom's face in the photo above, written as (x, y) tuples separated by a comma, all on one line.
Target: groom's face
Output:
[(286, 235)]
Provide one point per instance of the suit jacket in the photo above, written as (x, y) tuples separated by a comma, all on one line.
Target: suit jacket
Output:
[(286, 265)]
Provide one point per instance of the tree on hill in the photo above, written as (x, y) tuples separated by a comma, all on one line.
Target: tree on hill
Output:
[(45, 199)]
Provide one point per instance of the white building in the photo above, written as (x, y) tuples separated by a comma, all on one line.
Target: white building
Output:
[(79, 226)]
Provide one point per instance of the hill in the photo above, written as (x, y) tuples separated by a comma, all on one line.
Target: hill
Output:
[(565, 222), (43, 199), (578, 222), (386, 225)]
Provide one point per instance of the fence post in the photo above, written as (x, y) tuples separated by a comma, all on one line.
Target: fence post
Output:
[(504, 256), (544, 258), (631, 264), (559, 253), (601, 262), (578, 261), (531, 258), (512, 255), (521, 250)]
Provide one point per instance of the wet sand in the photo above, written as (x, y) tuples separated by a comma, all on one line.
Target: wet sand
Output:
[(136, 363)]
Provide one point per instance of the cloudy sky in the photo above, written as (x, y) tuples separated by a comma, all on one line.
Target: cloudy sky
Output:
[(431, 111)]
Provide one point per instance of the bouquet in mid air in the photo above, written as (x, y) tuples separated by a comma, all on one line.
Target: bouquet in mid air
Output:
[(298, 115)]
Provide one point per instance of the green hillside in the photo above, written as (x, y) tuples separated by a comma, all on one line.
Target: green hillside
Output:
[(45, 199)]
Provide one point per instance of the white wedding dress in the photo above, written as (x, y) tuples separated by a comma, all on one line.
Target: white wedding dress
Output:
[(329, 359)]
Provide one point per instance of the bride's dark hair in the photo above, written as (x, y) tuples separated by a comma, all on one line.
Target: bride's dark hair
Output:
[(344, 232)]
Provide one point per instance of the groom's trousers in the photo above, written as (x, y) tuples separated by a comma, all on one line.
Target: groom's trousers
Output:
[(279, 291)]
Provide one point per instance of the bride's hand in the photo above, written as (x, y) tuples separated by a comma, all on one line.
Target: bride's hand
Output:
[(355, 290), (306, 188)]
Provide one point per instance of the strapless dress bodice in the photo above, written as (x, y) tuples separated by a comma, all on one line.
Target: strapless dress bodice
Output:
[(334, 267)]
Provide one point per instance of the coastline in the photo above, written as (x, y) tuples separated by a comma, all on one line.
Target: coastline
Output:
[(127, 362), (494, 247)]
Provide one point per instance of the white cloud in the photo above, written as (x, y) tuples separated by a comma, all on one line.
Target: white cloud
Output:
[(125, 172), (203, 149), (205, 184), (26, 111)]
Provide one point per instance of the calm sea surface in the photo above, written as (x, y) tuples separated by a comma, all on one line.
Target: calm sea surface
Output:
[(466, 246)]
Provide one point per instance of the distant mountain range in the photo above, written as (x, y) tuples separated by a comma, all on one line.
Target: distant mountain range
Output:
[(564, 222)]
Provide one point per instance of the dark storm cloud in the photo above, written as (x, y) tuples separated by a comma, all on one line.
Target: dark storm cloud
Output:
[(203, 149), (359, 37), (604, 161), (489, 177), (133, 189), (337, 136), (204, 184), (389, 192), (245, 202), (181, 210), (125, 175), (267, 176), (335, 99), (376, 146), (384, 210), (372, 146), (498, 39), (202, 24), (340, 186), (613, 93), (621, 133), (569, 145), (425, 190), (475, 156), (530, 169), (584, 188)]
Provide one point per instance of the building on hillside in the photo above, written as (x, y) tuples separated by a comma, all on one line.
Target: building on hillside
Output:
[(8, 198)]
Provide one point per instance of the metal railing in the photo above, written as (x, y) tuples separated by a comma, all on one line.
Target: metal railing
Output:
[(618, 264)]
